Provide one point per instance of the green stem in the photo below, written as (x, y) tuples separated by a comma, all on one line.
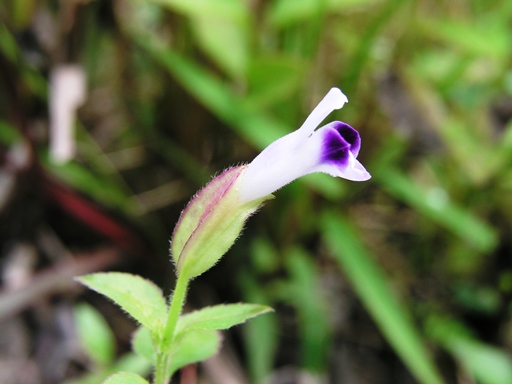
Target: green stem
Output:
[(177, 302), (161, 369), (163, 358)]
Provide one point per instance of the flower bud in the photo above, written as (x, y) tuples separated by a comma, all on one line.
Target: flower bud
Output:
[(211, 223)]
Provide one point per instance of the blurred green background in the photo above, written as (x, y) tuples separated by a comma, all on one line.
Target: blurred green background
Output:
[(405, 278)]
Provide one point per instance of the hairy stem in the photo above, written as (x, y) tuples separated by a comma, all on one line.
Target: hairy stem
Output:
[(162, 375)]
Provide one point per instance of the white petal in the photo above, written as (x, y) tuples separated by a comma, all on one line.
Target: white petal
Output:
[(280, 163), (335, 99)]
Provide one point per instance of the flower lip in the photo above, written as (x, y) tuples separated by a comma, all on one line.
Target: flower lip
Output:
[(350, 135), (338, 139), (335, 148)]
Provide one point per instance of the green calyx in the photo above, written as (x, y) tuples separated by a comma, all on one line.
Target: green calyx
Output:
[(211, 223)]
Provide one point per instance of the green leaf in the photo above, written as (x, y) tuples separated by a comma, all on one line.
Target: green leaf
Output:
[(8, 45), (264, 256), (194, 346), (285, 12), (233, 9), (31, 78), (272, 79), (125, 378), (487, 38), (189, 347), (212, 34), (215, 22), (143, 345), (488, 365), (8, 134), (373, 290), (304, 292), (141, 298), (129, 362), (95, 334), (439, 208), (260, 334), (472, 152), (133, 363), (220, 316)]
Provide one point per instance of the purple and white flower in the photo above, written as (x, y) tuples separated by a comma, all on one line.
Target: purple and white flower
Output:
[(214, 218), (331, 149)]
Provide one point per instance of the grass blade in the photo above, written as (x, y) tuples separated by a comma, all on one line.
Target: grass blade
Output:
[(370, 284)]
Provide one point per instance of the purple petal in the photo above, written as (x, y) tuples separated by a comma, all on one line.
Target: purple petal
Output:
[(350, 135), (339, 144), (335, 149)]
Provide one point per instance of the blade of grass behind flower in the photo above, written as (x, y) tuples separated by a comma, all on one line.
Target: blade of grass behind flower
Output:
[(372, 288), (261, 333), (216, 96), (448, 214)]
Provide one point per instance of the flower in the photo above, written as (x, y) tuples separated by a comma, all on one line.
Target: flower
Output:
[(214, 218), (332, 149)]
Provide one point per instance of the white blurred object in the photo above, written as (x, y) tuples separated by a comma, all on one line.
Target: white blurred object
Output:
[(67, 93)]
